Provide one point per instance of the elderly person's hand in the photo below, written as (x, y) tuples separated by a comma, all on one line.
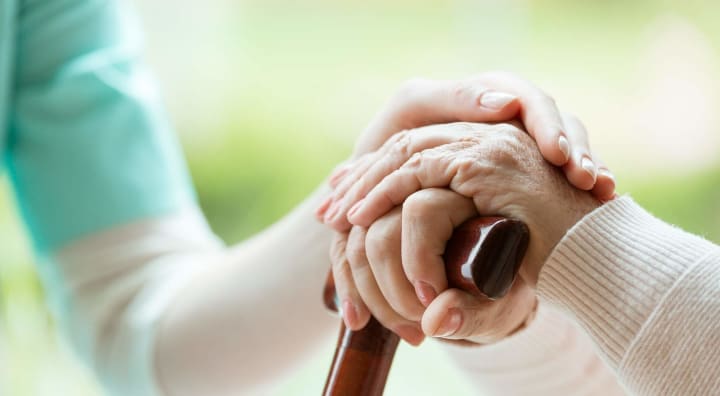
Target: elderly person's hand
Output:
[(488, 97), (496, 167), (499, 167)]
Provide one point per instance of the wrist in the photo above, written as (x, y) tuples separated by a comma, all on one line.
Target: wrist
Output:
[(549, 230)]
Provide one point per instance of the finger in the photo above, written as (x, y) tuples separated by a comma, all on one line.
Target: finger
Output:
[(604, 189), (322, 209), (331, 215), (538, 112), (429, 168), (389, 158), (428, 219), (581, 170), (384, 255), (371, 294), (455, 314), (443, 101), (422, 102), (357, 168), (339, 172), (335, 215), (352, 309)]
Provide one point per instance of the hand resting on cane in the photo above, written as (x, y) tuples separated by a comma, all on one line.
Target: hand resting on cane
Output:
[(402, 273), (446, 101), (644, 291)]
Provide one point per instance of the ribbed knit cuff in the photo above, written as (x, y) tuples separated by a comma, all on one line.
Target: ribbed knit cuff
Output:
[(613, 268)]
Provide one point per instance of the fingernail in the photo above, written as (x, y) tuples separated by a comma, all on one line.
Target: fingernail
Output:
[(607, 173), (332, 211), (450, 324), (589, 167), (355, 208), (425, 292), (320, 211), (496, 100), (349, 313), (411, 334), (564, 147)]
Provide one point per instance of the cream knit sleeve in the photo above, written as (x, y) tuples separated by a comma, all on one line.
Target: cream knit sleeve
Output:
[(647, 293)]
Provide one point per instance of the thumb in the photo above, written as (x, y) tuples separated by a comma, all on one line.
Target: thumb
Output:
[(456, 314)]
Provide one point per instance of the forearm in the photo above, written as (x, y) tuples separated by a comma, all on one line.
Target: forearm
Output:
[(552, 356), (159, 305), (647, 293), (109, 289), (246, 319)]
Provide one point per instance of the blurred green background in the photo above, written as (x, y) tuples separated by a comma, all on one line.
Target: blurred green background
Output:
[(268, 95)]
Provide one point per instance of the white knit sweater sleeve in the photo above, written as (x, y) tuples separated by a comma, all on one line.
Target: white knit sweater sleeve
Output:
[(648, 294)]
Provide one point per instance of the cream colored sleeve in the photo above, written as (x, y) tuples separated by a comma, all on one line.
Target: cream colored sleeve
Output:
[(552, 356), (648, 294), (119, 282), (160, 306)]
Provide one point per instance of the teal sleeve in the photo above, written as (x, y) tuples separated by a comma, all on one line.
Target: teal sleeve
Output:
[(89, 145)]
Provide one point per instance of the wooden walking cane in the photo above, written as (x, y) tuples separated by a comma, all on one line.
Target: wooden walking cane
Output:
[(482, 257)]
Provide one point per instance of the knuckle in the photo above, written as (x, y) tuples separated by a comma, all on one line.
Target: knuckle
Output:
[(403, 145), (466, 167), (394, 139), (416, 160), (508, 146), (464, 92), (503, 153), (379, 236), (420, 203)]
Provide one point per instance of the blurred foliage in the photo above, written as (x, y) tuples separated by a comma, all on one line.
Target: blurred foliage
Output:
[(271, 99)]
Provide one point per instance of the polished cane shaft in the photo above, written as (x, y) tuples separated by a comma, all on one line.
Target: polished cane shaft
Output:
[(482, 257)]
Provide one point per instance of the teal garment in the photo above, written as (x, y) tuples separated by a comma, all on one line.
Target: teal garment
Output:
[(86, 144), (85, 141)]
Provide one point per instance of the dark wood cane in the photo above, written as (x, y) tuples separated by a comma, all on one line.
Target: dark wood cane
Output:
[(482, 258)]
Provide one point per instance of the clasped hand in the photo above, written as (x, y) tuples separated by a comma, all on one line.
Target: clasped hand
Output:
[(395, 207)]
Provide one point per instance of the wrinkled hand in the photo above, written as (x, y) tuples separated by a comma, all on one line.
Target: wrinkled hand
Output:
[(488, 97), (500, 169), (374, 269)]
